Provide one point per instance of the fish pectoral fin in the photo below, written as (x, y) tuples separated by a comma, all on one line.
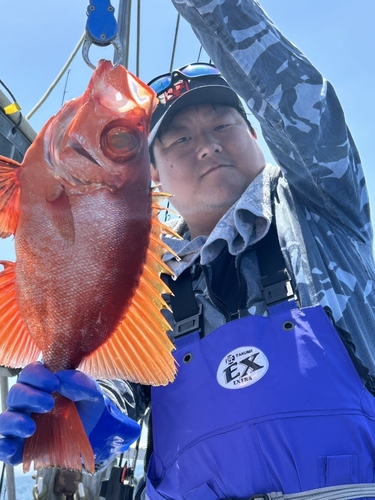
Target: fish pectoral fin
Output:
[(140, 349), (61, 211), (17, 347), (9, 196)]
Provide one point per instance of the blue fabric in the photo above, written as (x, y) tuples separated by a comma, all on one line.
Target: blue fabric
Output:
[(305, 421)]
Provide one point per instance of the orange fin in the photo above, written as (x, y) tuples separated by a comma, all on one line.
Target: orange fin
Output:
[(9, 196), (140, 350), (17, 347), (59, 440), (159, 197)]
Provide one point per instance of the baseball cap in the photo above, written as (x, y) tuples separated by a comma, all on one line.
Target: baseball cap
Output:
[(196, 83)]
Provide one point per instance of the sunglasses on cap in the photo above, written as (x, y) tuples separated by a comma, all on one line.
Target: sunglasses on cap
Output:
[(194, 70)]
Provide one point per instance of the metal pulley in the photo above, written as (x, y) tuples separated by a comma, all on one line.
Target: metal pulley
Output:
[(101, 29)]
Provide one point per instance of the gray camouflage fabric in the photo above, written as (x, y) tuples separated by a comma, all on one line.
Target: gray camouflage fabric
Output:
[(320, 200)]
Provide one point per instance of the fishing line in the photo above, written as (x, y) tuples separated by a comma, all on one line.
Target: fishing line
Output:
[(57, 79), (175, 43), (65, 88), (199, 53)]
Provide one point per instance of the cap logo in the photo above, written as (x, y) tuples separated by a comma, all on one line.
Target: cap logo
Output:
[(179, 88)]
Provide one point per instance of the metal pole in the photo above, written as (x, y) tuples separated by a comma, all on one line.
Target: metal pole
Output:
[(11, 484), (123, 30)]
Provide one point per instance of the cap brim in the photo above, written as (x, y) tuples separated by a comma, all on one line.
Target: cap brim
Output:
[(209, 94)]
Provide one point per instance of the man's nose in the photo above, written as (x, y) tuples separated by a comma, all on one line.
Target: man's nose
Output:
[(208, 146)]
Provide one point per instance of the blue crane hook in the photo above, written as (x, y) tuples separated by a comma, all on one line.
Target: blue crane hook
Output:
[(101, 29)]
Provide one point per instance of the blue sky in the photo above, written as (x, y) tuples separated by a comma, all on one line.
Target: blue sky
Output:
[(336, 35)]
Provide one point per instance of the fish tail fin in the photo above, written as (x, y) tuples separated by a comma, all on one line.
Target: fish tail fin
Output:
[(140, 349), (17, 347), (60, 440), (9, 196)]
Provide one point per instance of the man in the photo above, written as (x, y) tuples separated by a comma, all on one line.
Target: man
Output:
[(267, 401)]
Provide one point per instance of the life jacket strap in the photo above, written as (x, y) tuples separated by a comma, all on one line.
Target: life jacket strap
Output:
[(275, 281), (186, 311)]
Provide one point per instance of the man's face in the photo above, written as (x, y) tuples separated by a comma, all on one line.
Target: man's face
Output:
[(206, 157)]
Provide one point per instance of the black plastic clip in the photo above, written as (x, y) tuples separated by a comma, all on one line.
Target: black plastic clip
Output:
[(187, 325), (278, 291)]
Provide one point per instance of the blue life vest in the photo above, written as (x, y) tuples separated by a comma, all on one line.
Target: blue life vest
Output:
[(262, 404)]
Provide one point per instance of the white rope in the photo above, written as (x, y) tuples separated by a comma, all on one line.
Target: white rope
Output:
[(57, 79)]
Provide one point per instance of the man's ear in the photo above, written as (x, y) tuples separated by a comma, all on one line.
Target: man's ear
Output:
[(155, 177)]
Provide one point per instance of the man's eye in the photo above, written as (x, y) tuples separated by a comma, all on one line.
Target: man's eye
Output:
[(224, 125), (182, 140)]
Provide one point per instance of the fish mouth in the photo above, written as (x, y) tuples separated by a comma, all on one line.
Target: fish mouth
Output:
[(82, 152)]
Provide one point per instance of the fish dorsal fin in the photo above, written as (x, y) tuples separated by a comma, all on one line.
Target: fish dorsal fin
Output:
[(140, 350), (17, 347), (9, 196)]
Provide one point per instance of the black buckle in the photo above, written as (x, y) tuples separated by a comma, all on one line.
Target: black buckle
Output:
[(187, 325), (259, 496), (279, 291)]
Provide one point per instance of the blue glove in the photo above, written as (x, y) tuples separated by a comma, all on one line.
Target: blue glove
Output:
[(110, 432), (32, 393)]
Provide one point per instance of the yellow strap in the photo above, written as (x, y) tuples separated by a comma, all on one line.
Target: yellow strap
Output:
[(12, 108)]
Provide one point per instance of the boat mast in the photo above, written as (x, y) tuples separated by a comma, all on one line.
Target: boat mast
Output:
[(123, 31)]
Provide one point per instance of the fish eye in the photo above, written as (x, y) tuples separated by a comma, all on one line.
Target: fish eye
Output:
[(121, 140), (118, 143)]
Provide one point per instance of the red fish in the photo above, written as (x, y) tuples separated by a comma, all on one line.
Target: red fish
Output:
[(85, 290)]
